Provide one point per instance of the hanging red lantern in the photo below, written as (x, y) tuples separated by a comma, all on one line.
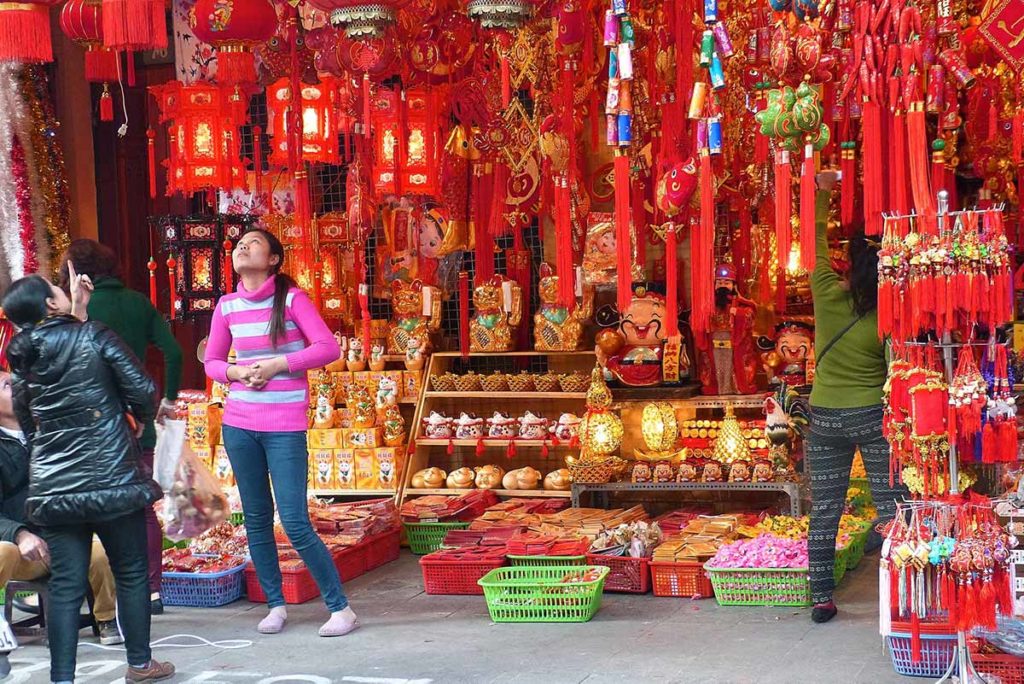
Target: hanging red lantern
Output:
[(361, 19), (135, 24), (404, 163), (82, 22), (25, 31), (321, 121), (204, 119), (234, 27)]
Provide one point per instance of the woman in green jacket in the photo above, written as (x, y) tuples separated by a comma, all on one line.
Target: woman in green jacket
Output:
[(846, 400), (131, 315)]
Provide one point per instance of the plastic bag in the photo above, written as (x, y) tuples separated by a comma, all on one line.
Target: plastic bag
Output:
[(170, 438), (195, 502)]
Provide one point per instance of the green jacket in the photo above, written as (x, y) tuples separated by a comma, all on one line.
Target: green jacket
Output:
[(853, 371), (131, 315)]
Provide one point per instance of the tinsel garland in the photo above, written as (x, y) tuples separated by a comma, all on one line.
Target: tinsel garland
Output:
[(12, 255), (23, 203), (38, 256)]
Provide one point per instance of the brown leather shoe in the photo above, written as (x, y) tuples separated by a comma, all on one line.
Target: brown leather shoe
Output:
[(154, 672)]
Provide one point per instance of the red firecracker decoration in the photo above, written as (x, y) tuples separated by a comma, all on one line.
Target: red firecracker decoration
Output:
[(25, 31), (234, 27)]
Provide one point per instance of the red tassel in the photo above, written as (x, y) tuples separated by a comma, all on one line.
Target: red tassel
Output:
[(917, 150), (151, 159), (25, 33), (464, 314), (898, 175), (257, 156), (480, 447), (129, 57), (152, 282), (915, 636), (1017, 146), (873, 172), (807, 218), (235, 67), (506, 82), (229, 266), (1008, 441), (450, 449), (703, 269), (511, 452), (106, 105), (622, 233), (1006, 602), (564, 263), (987, 605), (848, 189), (172, 280), (949, 592), (783, 209), (134, 24), (100, 64), (671, 282)]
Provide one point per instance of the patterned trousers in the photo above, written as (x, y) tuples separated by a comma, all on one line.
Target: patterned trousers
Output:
[(834, 437)]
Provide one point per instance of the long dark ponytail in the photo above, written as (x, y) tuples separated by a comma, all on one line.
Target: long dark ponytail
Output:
[(282, 284)]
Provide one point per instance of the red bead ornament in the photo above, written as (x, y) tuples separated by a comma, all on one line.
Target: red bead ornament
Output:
[(151, 265), (172, 264)]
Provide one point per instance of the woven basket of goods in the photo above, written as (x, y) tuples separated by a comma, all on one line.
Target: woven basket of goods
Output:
[(443, 383), (547, 382), (495, 382), (470, 382), (574, 382), (521, 383), (597, 472)]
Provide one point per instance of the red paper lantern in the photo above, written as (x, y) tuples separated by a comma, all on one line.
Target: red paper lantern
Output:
[(321, 120), (135, 24), (25, 31), (404, 166), (234, 27), (204, 139), (361, 19), (82, 22)]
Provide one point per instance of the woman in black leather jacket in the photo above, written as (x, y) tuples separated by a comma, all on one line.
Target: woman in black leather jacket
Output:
[(78, 392)]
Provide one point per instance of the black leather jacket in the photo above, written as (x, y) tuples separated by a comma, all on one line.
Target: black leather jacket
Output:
[(73, 384)]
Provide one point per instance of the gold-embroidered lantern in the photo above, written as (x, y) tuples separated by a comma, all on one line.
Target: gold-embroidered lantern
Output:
[(360, 19), (406, 165), (204, 141), (321, 121), (82, 22), (25, 31), (500, 14), (234, 27)]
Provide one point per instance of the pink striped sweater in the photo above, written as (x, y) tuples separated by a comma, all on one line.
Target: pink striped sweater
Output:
[(242, 320)]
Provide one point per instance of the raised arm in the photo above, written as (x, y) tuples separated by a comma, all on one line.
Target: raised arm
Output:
[(824, 276)]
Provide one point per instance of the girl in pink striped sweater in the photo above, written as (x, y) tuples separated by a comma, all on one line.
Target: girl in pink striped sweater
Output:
[(277, 335)]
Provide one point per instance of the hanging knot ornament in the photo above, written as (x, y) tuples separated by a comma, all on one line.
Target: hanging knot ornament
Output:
[(794, 117), (235, 28), (676, 187), (82, 22), (361, 20), (25, 31)]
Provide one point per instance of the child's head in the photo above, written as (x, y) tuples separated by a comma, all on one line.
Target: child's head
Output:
[(31, 299)]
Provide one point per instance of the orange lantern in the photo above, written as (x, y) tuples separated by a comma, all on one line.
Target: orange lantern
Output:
[(321, 121), (234, 27), (204, 119), (404, 164), (25, 31), (82, 22)]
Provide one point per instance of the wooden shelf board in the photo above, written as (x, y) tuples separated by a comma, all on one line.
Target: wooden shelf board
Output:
[(505, 395), (352, 492), (528, 493), (486, 355), (503, 443), (657, 393)]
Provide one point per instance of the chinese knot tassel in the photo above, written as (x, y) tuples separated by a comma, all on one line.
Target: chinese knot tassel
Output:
[(464, 314), (227, 265), (917, 150), (172, 282), (848, 189), (783, 207), (873, 172), (807, 204), (671, 282), (257, 157), (106, 104), (703, 269), (622, 234), (152, 282), (898, 173), (564, 264), (364, 313)]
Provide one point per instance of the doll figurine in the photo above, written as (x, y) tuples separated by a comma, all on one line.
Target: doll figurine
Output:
[(555, 327), (497, 310), (417, 313)]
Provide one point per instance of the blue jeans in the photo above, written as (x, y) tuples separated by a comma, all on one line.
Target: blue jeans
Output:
[(282, 456)]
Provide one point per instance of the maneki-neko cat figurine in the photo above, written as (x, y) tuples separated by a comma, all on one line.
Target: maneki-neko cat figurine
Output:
[(631, 346), (556, 327), (497, 310), (364, 414), (417, 313), (323, 413)]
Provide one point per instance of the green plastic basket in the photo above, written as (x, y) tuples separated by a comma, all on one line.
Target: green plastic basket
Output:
[(760, 586), (426, 538), (545, 561), (541, 594), (842, 560), (855, 551), (237, 519)]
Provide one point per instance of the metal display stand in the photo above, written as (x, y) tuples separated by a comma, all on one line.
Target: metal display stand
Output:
[(790, 489)]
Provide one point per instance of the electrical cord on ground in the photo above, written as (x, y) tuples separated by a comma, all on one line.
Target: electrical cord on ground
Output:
[(224, 644)]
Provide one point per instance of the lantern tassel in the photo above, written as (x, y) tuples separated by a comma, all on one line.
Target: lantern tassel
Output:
[(100, 65), (702, 269), (172, 282), (228, 265), (917, 149), (106, 104), (152, 282), (564, 264), (873, 172), (235, 67), (783, 207), (807, 218), (624, 284), (25, 33), (671, 282)]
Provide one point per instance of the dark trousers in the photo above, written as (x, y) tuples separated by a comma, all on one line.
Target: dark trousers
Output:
[(154, 536), (282, 457), (834, 437), (124, 540)]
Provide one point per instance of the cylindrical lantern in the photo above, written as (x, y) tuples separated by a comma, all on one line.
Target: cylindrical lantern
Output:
[(361, 19), (234, 29), (82, 22), (320, 121), (404, 164), (25, 31)]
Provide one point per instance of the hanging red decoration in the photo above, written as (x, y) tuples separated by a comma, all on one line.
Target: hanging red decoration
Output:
[(204, 127), (321, 121), (808, 190), (404, 161), (361, 20), (136, 24), (82, 22), (25, 31), (623, 239), (234, 27)]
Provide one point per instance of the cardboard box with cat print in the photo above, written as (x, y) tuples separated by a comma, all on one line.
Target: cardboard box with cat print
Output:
[(321, 469), (345, 468)]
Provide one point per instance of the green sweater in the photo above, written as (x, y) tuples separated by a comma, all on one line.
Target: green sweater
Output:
[(853, 371), (132, 316)]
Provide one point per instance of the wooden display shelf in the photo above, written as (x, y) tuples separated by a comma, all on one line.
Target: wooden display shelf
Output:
[(484, 355), (482, 394), (503, 443), (352, 492), (511, 493)]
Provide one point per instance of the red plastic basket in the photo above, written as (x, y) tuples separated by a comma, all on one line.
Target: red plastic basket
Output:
[(383, 548), (455, 577), (686, 579), (298, 586), (351, 561), (626, 575), (1009, 668)]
